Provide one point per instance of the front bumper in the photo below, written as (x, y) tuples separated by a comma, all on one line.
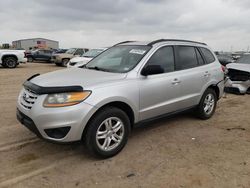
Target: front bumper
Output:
[(237, 87), (46, 122), (27, 122), (55, 60)]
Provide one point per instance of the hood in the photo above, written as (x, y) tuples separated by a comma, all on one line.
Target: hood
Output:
[(76, 76), (239, 66), (80, 59)]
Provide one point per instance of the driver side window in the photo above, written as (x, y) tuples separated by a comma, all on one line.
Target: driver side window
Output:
[(163, 57)]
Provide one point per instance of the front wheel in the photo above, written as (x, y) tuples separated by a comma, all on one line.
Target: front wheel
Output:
[(10, 62), (207, 105), (65, 62), (30, 59), (107, 132)]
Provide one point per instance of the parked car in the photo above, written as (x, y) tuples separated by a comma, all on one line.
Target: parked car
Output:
[(225, 59), (239, 76), (60, 51), (62, 59), (12, 58), (39, 55), (129, 83), (85, 58)]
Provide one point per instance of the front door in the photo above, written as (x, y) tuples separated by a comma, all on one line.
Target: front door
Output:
[(158, 93)]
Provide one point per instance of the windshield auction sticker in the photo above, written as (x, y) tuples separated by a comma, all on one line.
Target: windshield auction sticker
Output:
[(137, 51)]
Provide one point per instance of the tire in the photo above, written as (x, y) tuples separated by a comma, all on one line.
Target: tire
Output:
[(3, 65), (248, 91), (58, 64), (207, 105), (10, 62), (30, 59), (112, 138), (65, 62)]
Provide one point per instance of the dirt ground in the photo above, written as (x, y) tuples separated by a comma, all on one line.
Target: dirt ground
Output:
[(180, 151)]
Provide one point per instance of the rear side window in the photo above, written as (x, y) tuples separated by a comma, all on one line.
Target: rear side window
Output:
[(207, 55), (186, 57), (163, 57)]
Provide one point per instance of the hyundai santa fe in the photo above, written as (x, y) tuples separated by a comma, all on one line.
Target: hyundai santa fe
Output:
[(130, 83)]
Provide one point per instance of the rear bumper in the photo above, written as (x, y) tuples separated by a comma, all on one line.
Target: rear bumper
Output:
[(221, 86), (23, 60)]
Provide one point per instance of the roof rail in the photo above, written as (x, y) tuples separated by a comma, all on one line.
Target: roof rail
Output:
[(174, 40), (123, 42)]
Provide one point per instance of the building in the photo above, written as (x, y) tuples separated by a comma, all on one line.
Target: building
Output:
[(35, 43)]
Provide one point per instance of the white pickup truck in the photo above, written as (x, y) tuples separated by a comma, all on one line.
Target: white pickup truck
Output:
[(12, 58)]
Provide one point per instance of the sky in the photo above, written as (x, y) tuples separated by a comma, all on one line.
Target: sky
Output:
[(222, 24)]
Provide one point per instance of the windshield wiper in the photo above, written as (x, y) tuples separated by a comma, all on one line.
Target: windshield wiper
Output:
[(88, 56), (98, 68)]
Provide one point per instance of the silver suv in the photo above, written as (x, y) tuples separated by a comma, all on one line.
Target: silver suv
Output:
[(129, 83)]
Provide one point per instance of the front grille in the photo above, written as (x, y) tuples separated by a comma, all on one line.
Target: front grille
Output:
[(28, 98)]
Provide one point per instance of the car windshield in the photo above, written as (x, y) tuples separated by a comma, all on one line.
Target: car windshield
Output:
[(70, 51), (245, 59), (93, 53), (119, 59)]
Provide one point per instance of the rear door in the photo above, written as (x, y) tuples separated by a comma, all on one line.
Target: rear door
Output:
[(158, 93), (189, 65), (39, 55), (47, 55)]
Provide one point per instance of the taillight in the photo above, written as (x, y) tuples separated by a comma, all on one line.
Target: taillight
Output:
[(223, 68)]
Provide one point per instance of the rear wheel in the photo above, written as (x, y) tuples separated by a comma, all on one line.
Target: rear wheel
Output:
[(10, 62), (107, 132), (207, 105)]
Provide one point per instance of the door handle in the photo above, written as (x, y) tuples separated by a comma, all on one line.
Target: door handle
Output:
[(176, 81), (207, 74)]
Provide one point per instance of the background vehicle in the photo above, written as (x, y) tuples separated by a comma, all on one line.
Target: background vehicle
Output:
[(11, 58), (39, 55), (225, 59), (129, 83), (239, 76), (59, 51), (62, 59), (85, 58)]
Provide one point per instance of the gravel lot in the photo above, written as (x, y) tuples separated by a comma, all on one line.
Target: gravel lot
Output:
[(179, 151)]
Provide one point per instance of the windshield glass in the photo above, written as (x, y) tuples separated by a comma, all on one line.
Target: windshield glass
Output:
[(245, 59), (119, 59), (70, 51), (93, 53)]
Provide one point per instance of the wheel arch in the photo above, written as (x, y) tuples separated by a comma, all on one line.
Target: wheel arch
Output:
[(9, 55), (118, 104), (216, 89)]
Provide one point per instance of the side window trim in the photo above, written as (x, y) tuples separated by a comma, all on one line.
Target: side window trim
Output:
[(178, 58), (204, 55), (204, 60), (174, 56)]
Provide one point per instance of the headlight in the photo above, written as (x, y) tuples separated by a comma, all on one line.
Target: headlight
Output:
[(65, 99)]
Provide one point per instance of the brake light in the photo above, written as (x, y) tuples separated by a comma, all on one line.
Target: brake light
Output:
[(223, 68)]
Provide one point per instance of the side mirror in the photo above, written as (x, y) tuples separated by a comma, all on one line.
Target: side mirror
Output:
[(151, 70)]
